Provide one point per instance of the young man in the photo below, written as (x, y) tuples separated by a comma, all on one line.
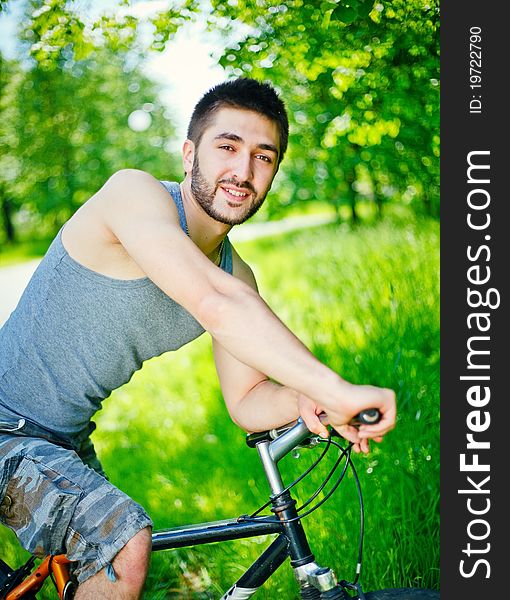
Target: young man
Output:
[(144, 267)]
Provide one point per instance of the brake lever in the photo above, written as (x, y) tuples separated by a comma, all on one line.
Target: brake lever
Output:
[(365, 417)]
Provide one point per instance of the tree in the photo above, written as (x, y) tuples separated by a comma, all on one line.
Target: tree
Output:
[(73, 133), (65, 116), (361, 85), (10, 77)]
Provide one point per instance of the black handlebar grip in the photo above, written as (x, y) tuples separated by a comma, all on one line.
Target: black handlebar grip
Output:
[(371, 416)]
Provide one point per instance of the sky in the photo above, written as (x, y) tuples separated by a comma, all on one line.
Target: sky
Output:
[(182, 81), (185, 80)]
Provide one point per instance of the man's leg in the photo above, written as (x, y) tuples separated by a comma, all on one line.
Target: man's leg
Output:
[(57, 505), (130, 565)]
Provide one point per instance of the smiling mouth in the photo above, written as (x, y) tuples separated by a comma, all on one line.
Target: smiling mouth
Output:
[(235, 196)]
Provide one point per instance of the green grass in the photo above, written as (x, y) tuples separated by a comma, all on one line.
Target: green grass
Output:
[(366, 301), (11, 254)]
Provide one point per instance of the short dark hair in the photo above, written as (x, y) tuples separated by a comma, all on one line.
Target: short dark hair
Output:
[(243, 93)]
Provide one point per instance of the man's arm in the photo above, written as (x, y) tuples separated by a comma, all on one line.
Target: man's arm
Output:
[(254, 402), (136, 209)]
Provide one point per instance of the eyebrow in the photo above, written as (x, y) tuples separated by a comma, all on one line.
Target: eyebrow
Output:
[(236, 138)]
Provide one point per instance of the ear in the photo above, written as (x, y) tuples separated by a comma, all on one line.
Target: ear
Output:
[(188, 156)]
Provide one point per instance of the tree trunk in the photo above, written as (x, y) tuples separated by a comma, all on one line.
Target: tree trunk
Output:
[(350, 178), (354, 214), (379, 201), (428, 204), (352, 202), (8, 225)]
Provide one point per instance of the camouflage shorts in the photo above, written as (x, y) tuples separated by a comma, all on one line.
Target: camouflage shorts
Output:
[(56, 504)]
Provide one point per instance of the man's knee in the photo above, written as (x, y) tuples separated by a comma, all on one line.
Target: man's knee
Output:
[(130, 568), (140, 544), (132, 563)]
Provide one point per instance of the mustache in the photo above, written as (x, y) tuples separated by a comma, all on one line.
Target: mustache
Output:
[(244, 185)]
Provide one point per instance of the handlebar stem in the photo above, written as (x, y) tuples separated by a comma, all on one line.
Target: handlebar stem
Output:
[(284, 444), (271, 470), (271, 452)]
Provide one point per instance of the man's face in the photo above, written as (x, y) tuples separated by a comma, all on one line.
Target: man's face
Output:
[(234, 165)]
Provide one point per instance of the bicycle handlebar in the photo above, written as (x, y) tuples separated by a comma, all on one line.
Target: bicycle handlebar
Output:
[(296, 433)]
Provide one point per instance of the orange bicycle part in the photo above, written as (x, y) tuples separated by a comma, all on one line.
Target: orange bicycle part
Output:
[(58, 566)]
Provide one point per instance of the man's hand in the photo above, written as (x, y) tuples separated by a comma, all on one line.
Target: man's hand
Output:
[(353, 399), (313, 416)]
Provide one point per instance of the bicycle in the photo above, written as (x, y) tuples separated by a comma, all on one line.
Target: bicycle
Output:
[(314, 582)]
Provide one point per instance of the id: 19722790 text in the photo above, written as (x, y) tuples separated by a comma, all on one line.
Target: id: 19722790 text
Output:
[(475, 70)]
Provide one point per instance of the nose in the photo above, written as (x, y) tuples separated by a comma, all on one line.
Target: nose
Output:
[(242, 167)]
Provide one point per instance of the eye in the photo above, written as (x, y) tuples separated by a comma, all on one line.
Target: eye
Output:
[(227, 147), (264, 158)]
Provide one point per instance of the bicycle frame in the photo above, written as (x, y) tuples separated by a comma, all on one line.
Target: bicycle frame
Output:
[(55, 566), (291, 541)]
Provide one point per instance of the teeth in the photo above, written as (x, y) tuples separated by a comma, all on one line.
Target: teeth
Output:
[(236, 193)]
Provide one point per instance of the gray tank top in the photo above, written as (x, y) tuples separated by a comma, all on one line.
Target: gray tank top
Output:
[(76, 335)]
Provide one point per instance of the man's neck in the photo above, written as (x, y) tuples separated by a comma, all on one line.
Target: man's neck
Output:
[(206, 232)]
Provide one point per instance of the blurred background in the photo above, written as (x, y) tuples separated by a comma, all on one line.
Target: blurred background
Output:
[(87, 88), (91, 87)]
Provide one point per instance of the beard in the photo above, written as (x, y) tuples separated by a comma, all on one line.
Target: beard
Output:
[(204, 194)]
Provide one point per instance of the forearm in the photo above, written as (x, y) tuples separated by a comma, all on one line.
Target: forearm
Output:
[(245, 326), (266, 406), (231, 310)]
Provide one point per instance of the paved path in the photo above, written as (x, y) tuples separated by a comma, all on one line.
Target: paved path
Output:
[(13, 279)]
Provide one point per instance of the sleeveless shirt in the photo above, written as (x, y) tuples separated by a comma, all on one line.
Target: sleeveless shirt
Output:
[(77, 335)]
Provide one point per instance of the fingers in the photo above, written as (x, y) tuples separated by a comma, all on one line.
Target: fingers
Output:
[(363, 446), (378, 430), (360, 444), (359, 398), (312, 420), (348, 432), (387, 422)]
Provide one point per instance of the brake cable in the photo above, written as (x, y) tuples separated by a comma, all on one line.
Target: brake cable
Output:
[(344, 452), (290, 486)]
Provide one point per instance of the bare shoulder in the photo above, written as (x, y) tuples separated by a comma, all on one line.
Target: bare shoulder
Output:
[(130, 191), (127, 194), (242, 270), (124, 179), (130, 200)]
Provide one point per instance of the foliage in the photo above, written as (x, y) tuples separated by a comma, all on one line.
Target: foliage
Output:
[(366, 301), (68, 131), (361, 84), (64, 121), (9, 80), (55, 26)]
